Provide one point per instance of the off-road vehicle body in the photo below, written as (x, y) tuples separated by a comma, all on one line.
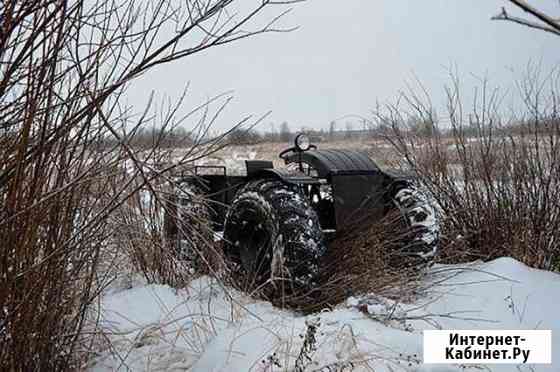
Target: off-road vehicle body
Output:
[(278, 222)]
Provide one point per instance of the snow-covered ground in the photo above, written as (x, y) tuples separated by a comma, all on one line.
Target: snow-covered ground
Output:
[(209, 328)]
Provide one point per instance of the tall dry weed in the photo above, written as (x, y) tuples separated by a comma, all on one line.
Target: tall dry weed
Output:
[(494, 174)]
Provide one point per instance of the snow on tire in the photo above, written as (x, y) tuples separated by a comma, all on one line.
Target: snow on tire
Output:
[(272, 232), (420, 217)]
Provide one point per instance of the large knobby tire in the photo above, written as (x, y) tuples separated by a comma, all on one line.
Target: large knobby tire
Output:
[(273, 235), (421, 221)]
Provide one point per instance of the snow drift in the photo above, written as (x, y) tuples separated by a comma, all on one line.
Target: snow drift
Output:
[(206, 327)]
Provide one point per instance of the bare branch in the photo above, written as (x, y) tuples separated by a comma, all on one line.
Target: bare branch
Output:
[(548, 24)]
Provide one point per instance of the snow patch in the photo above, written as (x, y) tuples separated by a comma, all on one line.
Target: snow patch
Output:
[(206, 327)]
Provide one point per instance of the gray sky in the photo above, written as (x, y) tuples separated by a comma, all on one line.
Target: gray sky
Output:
[(349, 54)]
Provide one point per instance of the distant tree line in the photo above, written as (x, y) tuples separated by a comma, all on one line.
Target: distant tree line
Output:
[(419, 127)]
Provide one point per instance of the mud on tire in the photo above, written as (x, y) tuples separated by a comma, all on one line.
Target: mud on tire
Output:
[(273, 236)]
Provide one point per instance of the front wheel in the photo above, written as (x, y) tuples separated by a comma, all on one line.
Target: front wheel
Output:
[(272, 234)]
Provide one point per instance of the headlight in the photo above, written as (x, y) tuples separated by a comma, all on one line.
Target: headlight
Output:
[(302, 142)]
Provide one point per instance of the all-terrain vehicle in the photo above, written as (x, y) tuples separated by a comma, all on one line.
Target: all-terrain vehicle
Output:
[(281, 220)]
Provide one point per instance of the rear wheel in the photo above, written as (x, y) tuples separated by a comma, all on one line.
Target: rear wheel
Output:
[(272, 234), (187, 230), (421, 223)]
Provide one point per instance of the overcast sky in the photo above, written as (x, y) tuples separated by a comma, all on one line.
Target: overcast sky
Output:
[(348, 54)]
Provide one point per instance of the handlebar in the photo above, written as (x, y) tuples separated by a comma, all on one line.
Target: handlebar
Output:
[(283, 153)]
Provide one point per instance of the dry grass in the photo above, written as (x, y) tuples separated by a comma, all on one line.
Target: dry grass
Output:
[(370, 258), (366, 258), (141, 237)]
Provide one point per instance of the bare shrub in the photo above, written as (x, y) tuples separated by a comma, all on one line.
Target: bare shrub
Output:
[(65, 66), (495, 179)]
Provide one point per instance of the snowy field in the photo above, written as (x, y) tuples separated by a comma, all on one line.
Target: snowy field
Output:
[(209, 328)]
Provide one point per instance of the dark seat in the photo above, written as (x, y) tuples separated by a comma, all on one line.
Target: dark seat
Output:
[(254, 166)]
